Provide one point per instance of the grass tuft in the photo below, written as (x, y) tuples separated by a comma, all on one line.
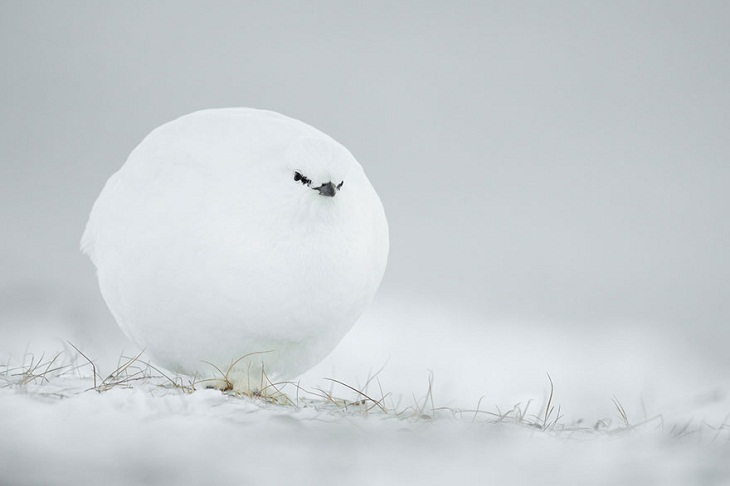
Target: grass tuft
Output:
[(66, 374)]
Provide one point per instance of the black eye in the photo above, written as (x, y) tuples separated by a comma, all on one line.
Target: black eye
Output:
[(299, 177)]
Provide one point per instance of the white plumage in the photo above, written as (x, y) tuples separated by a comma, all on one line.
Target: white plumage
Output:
[(221, 237)]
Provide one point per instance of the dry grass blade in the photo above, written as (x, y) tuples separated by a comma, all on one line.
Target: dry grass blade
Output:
[(359, 392), (621, 411), (421, 408), (93, 366), (476, 412), (549, 406), (278, 396), (121, 376), (36, 369)]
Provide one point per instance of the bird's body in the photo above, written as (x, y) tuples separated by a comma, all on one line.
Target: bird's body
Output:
[(237, 233)]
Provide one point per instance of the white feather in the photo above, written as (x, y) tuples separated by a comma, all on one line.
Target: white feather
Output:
[(208, 250)]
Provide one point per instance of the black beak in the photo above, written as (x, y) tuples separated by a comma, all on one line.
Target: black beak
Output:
[(328, 189)]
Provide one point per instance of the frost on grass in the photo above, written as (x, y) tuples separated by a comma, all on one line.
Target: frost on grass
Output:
[(71, 373)]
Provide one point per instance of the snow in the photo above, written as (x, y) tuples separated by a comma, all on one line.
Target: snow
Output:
[(146, 431)]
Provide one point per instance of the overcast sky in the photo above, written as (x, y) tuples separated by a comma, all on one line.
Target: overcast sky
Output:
[(551, 160)]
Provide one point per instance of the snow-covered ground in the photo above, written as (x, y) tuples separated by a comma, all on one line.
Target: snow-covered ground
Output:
[(481, 421)]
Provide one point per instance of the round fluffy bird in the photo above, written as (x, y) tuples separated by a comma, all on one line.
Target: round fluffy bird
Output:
[(238, 245)]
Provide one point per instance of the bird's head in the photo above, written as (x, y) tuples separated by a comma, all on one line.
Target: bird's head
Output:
[(319, 165)]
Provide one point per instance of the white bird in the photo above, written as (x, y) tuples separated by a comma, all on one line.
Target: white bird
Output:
[(238, 242)]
